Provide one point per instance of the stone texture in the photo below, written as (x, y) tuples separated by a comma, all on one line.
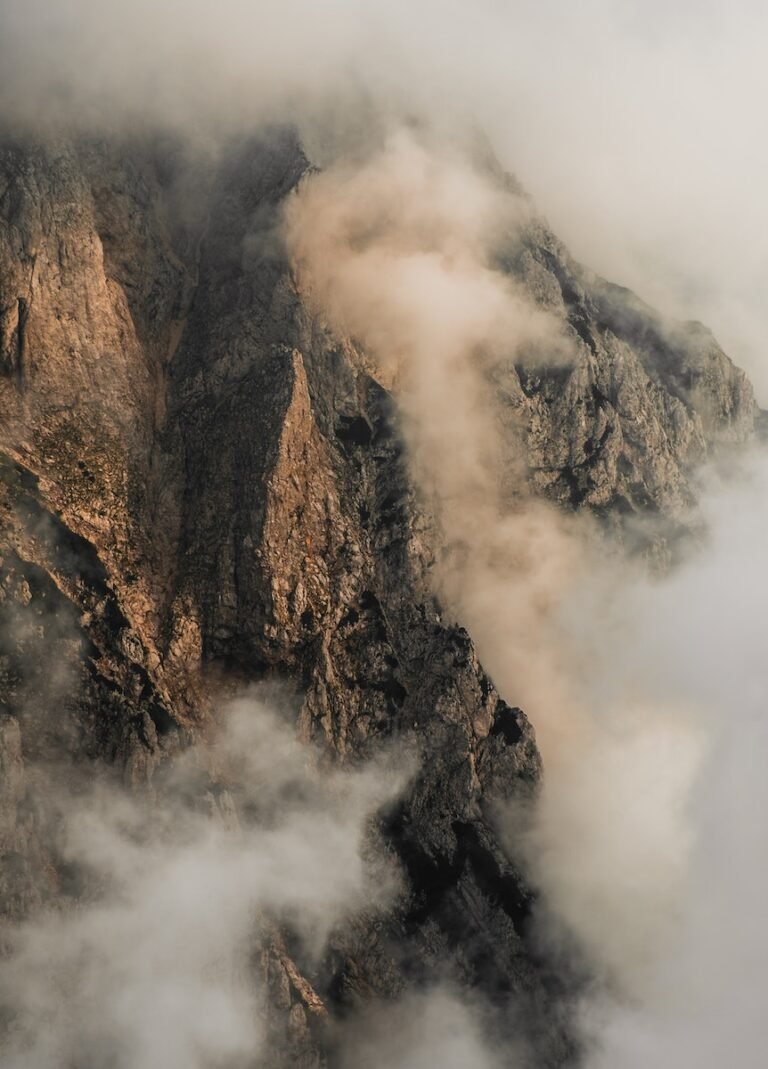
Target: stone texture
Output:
[(201, 487), (621, 429)]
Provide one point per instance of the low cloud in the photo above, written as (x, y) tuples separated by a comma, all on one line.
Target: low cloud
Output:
[(632, 681), (635, 126), (435, 1027), (154, 963)]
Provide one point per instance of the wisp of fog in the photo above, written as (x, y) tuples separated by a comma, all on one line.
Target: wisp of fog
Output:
[(156, 964)]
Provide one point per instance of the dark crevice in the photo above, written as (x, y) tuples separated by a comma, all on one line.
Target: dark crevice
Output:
[(502, 888), (162, 719), (21, 339), (354, 431), (506, 723), (393, 690), (434, 880)]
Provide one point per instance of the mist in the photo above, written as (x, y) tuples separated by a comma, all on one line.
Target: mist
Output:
[(635, 129), (397, 252), (645, 690), (435, 1027), (635, 126), (694, 642), (182, 891)]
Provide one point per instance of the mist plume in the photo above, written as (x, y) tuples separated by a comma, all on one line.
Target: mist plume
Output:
[(566, 625)]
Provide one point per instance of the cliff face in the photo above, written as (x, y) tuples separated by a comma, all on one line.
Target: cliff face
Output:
[(201, 487), (622, 428)]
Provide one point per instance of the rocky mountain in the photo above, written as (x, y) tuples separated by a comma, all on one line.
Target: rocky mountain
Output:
[(201, 487)]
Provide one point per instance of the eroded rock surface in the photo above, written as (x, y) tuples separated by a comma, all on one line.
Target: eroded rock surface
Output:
[(201, 487)]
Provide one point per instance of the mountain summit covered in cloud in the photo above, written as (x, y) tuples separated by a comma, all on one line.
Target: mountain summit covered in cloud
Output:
[(322, 459)]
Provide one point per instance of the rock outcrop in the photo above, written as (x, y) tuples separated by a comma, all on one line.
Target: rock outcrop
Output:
[(201, 487)]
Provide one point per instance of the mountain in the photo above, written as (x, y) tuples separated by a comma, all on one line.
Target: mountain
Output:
[(202, 488)]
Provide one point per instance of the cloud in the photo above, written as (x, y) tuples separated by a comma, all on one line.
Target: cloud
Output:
[(696, 638), (435, 1027), (398, 251), (154, 963), (630, 680), (635, 126), (647, 842)]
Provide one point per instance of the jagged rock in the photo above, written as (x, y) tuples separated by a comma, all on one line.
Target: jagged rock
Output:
[(201, 486), (622, 427)]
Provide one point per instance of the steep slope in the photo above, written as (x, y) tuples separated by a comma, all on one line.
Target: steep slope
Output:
[(623, 427), (201, 487)]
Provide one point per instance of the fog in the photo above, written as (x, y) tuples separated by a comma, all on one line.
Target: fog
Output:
[(645, 691), (181, 891), (636, 130), (695, 642), (436, 1027), (635, 126)]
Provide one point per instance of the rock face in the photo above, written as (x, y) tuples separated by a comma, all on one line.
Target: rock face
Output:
[(200, 487), (622, 428)]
